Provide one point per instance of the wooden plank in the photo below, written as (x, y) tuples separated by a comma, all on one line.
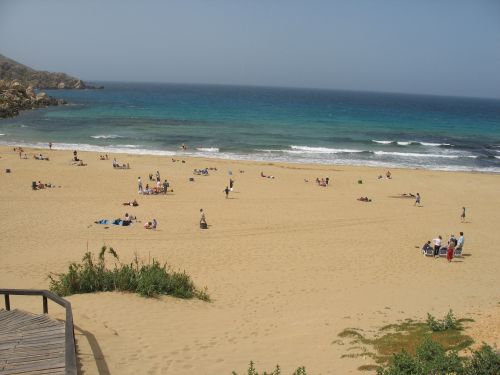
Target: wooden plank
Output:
[(31, 344)]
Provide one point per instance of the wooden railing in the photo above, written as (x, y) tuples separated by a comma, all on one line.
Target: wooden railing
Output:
[(70, 352)]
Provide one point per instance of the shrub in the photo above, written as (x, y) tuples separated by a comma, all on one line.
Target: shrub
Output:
[(431, 358), (449, 322), (149, 280)]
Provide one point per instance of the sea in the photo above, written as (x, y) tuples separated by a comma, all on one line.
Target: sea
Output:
[(269, 124)]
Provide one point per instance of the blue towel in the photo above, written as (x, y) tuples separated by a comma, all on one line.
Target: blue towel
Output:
[(102, 221)]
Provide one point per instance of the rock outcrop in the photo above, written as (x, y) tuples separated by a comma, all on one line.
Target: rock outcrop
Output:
[(12, 70), (15, 97)]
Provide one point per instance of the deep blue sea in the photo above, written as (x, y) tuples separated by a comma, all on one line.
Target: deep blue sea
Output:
[(271, 124)]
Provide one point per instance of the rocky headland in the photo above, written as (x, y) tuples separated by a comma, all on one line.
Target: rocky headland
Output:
[(12, 70), (15, 97)]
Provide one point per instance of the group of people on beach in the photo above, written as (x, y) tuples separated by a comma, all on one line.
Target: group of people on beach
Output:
[(160, 188), (323, 181), (117, 165), (453, 246)]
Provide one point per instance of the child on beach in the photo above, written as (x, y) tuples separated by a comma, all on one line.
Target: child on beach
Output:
[(226, 190), (451, 249), (417, 200)]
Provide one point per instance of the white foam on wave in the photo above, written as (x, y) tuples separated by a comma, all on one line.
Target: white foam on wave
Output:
[(405, 143), (127, 146), (319, 150), (106, 136), (420, 155), (1, 134), (207, 149), (299, 158), (430, 144), (382, 142)]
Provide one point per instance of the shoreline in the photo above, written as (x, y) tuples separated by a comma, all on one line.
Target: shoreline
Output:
[(213, 156)]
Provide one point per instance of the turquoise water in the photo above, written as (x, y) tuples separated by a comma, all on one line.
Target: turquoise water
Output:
[(295, 125)]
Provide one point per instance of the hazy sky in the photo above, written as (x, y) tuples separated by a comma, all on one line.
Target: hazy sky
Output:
[(449, 47)]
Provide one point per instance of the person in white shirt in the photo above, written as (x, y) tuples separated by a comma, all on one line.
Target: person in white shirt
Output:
[(437, 245), (460, 242)]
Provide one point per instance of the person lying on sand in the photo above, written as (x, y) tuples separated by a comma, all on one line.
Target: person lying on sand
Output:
[(39, 157), (364, 199), (133, 203), (263, 175)]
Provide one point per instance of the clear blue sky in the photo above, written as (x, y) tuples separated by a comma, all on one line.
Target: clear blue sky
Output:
[(449, 47)]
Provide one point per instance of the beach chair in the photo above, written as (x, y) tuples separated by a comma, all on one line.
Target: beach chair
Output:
[(457, 252), (429, 252), (443, 252)]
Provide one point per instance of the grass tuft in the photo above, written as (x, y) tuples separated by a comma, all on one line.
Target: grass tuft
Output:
[(147, 279)]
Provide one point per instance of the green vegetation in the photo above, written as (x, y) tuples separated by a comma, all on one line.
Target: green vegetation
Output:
[(449, 322), (406, 337), (148, 280), (277, 371), (432, 358)]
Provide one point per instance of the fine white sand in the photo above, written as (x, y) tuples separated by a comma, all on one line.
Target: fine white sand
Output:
[(287, 263)]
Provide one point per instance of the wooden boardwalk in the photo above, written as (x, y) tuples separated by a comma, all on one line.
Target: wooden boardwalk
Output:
[(31, 344)]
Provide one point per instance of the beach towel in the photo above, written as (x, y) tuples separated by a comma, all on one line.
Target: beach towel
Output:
[(102, 221)]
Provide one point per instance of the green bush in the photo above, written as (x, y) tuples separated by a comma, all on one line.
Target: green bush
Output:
[(432, 359), (149, 280), (449, 322)]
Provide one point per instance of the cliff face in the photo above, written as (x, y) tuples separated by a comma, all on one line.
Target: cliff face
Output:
[(11, 70), (15, 97)]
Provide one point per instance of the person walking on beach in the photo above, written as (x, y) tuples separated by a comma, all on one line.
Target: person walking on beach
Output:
[(226, 190), (437, 245), (139, 185), (50, 145), (462, 217), (417, 200), (231, 184), (203, 220)]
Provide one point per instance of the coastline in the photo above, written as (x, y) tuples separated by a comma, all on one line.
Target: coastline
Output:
[(288, 263), (213, 154)]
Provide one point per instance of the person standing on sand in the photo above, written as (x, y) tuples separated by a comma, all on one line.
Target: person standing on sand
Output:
[(462, 217), (417, 200), (226, 190), (231, 184), (460, 242), (451, 249), (139, 185), (50, 145), (203, 220), (437, 245)]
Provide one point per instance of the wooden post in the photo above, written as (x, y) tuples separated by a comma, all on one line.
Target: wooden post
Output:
[(45, 305), (7, 302)]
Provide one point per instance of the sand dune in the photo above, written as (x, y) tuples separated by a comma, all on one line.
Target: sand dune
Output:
[(288, 264)]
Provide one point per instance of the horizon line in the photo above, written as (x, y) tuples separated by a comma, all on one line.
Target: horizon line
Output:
[(367, 91)]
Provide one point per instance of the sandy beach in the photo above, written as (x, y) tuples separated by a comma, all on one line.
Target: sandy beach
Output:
[(287, 263)]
